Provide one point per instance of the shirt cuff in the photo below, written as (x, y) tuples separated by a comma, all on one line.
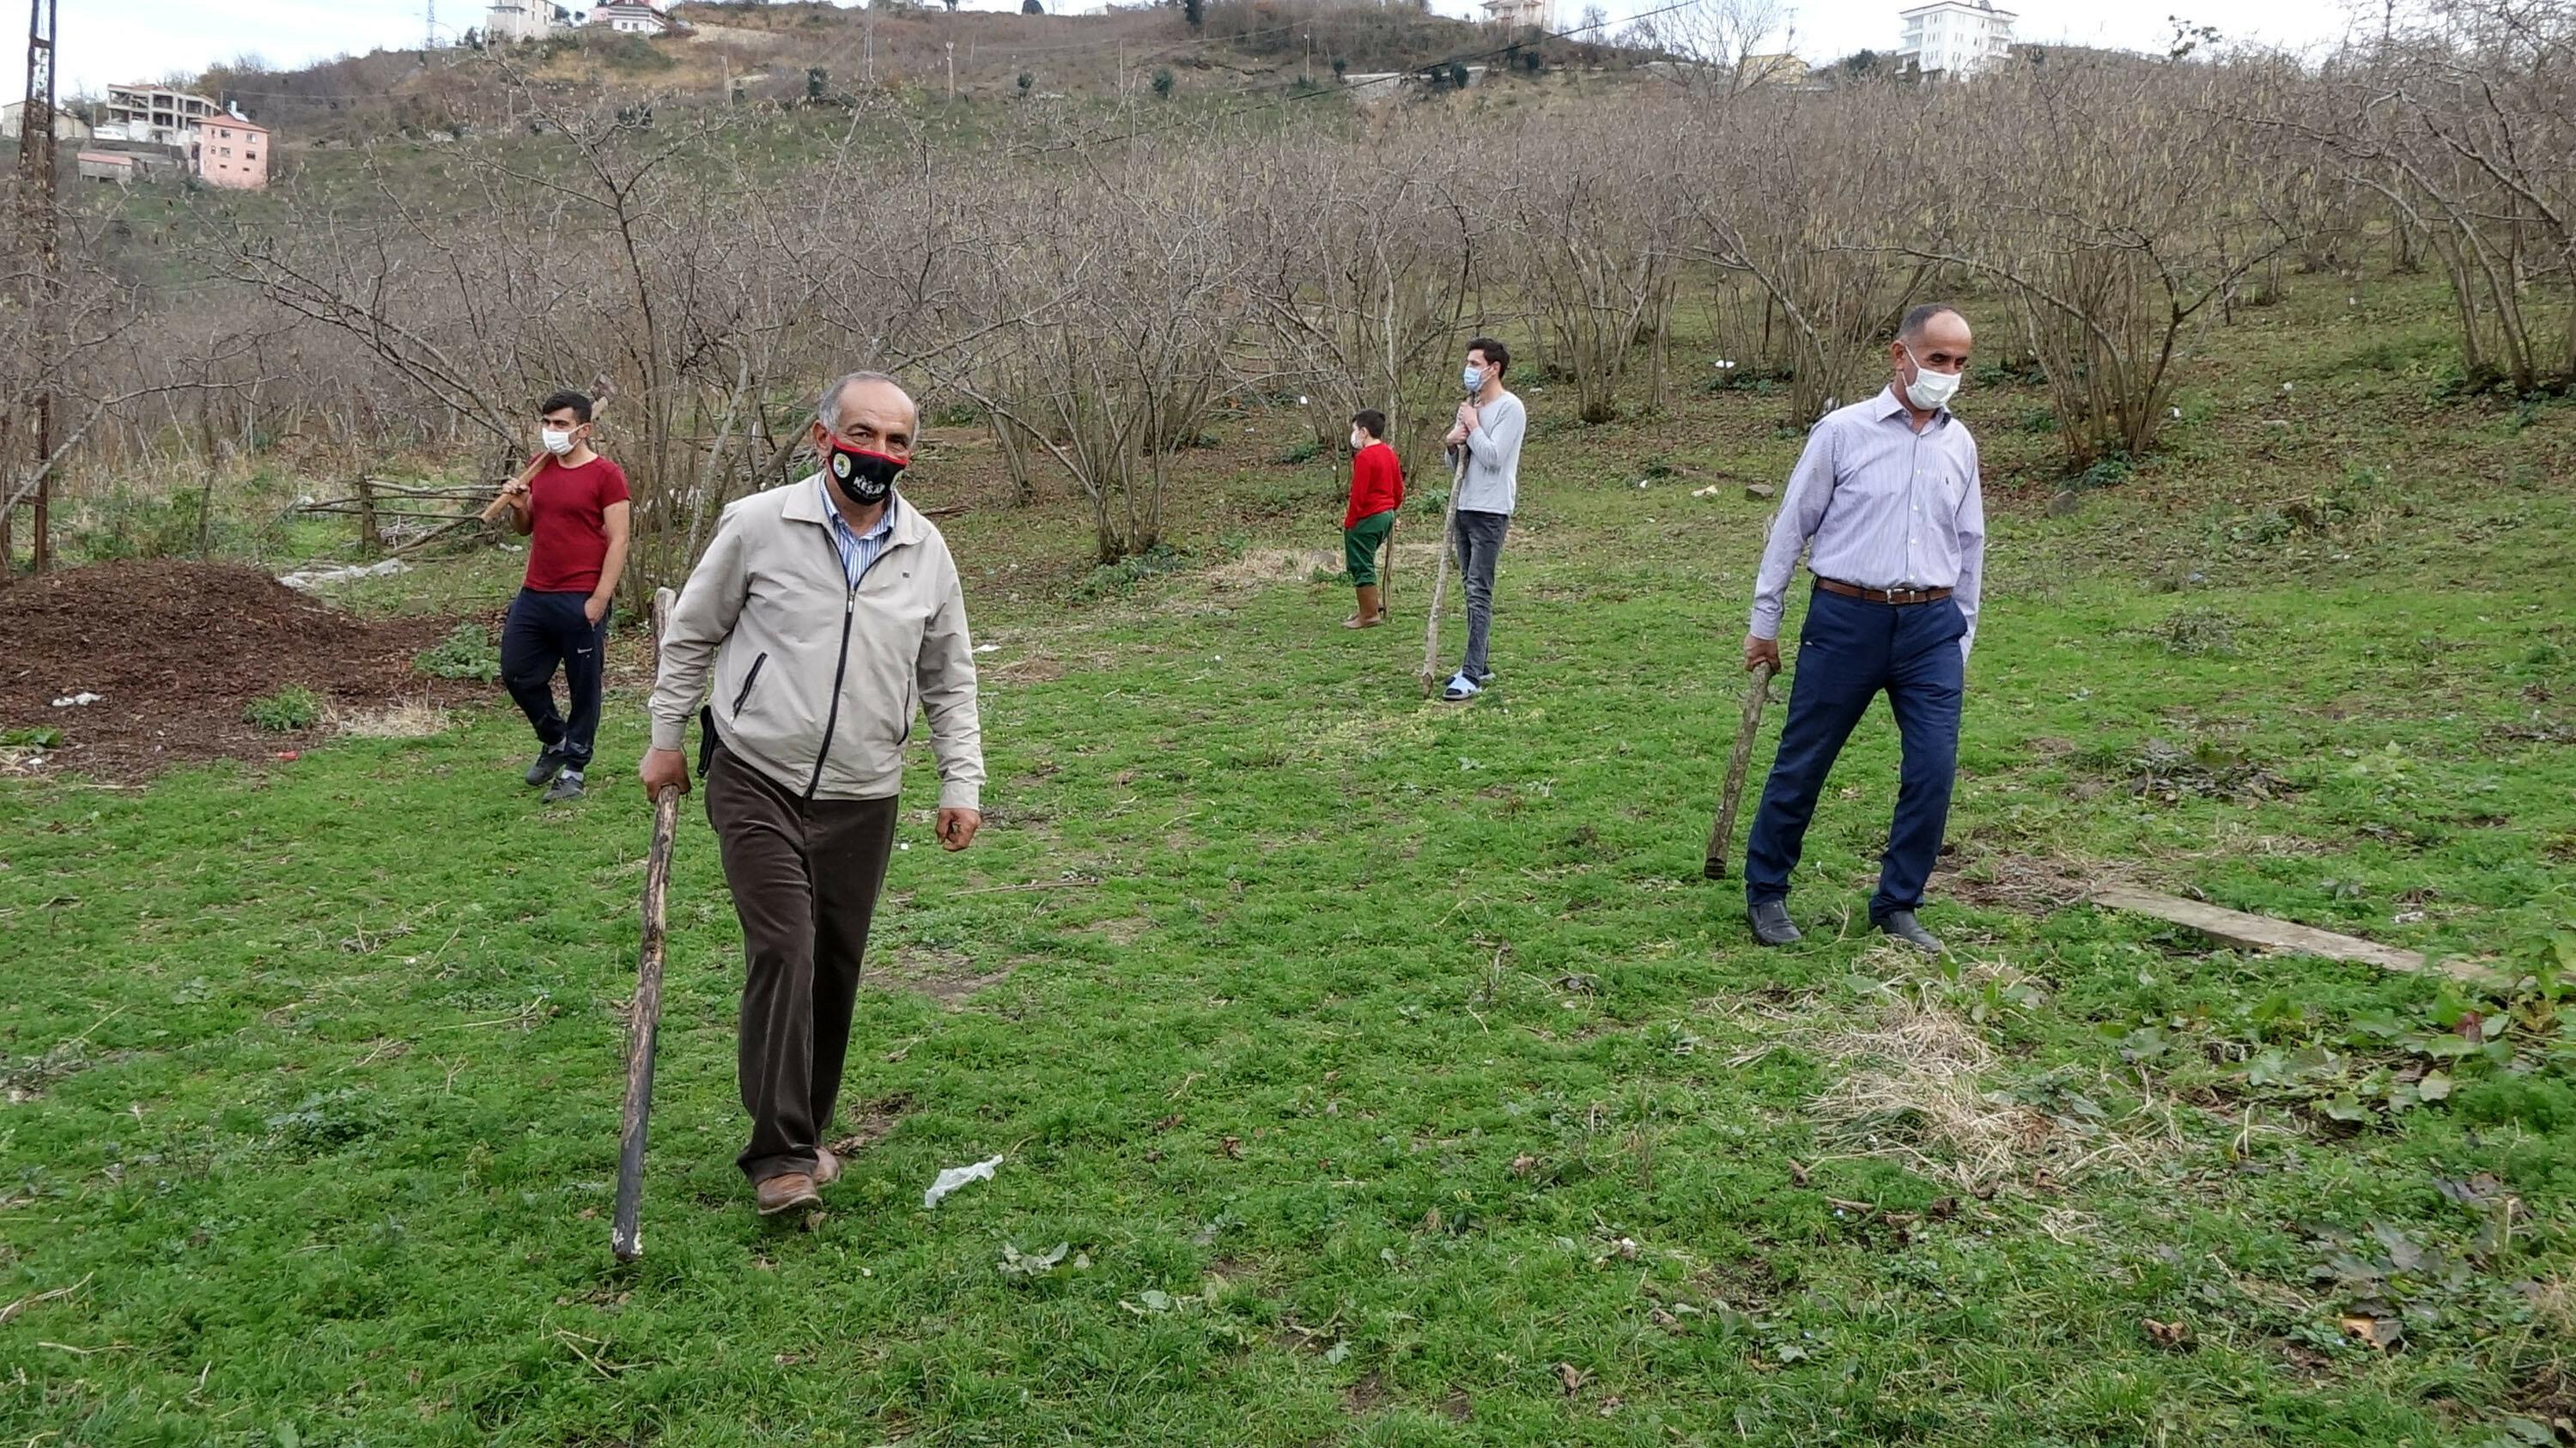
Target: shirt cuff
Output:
[(670, 733), (960, 794)]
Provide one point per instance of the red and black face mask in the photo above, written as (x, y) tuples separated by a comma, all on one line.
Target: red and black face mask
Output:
[(864, 477)]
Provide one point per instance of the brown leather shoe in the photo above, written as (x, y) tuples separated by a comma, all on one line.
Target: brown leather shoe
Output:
[(827, 1168), (785, 1193)]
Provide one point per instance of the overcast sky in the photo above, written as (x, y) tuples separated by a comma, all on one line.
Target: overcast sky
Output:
[(107, 41)]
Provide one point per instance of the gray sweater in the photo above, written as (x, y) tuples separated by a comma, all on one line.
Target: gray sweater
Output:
[(1493, 482)]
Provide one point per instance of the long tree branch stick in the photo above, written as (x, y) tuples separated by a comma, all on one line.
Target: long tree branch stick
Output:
[(1721, 835), (1440, 579), (626, 1236)]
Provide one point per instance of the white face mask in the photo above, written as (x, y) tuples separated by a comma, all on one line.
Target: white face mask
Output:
[(1931, 390), (556, 442), (1358, 442), (1473, 377)]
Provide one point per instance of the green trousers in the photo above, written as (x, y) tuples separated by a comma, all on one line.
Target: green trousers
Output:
[(1360, 543)]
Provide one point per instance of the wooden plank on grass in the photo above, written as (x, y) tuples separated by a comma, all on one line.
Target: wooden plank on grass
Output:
[(2261, 932)]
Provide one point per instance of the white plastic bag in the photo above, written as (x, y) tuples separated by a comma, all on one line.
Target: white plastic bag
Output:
[(958, 1176)]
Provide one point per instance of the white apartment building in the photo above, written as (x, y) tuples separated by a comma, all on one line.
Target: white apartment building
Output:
[(147, 115), (526, 20), (632, 17), (1955, 37)]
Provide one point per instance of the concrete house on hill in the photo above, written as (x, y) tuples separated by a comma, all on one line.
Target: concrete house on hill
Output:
[(152, 115), (67, 127), (524, 20), (231, 152), (632, 17)]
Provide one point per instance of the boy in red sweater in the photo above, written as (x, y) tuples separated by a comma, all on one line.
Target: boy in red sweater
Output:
[(574, 516), (1377, 490)]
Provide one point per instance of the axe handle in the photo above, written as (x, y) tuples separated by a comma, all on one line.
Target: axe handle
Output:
[(1722, 834), (626, 1234), (493, 510)]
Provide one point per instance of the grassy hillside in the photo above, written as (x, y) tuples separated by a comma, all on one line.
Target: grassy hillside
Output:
[(762, 54), (1383, 1070)]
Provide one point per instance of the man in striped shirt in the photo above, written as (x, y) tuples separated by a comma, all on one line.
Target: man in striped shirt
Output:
[(1885, 503)]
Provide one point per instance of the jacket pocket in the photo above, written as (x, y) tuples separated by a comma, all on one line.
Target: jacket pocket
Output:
[(742, 696)]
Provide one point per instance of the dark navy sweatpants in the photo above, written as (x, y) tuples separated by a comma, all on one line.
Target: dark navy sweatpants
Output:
[(546, 632), (1850, 650)]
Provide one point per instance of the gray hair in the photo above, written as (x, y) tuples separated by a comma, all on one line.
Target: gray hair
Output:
[(827, 408), (1921, 317)]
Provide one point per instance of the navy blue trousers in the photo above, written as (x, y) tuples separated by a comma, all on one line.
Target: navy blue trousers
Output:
[(546, 632), (1851, 650)]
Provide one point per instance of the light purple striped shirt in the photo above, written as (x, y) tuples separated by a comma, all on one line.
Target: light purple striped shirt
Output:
[(1885, 507)]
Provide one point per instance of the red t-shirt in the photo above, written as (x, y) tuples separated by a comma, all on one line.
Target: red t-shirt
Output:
[(570, 539), (1377, 483)]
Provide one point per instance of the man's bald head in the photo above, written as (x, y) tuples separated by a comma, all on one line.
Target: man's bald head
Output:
[(1920, 323), (1933, 338), (868, 410)]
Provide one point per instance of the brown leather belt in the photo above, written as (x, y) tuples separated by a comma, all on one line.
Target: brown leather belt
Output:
[(1898, 596)]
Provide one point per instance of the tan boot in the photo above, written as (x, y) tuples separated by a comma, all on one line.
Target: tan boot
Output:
[(785, 1193), (827, 1167), (1371, 612)]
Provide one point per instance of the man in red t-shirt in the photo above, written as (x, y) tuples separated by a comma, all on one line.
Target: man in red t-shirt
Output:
[(573, 512), (1377, 490)]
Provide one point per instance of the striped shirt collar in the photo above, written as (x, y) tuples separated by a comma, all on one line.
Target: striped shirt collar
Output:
[(857, 549), (1891, 405)]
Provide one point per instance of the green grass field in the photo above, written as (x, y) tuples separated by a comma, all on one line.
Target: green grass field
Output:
[(1384, 1070)]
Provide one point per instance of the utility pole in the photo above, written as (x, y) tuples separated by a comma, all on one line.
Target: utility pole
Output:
[(951, 48), (429, 27), (37, 224)]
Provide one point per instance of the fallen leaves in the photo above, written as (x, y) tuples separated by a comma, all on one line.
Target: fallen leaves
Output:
[(1016, 1263), (2172, 1334), (2382, 1333)]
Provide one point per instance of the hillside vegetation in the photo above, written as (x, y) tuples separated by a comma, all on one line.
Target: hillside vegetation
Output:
[(756, 53)]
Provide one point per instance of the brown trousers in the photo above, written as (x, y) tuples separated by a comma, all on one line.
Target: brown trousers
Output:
[(805, 876)]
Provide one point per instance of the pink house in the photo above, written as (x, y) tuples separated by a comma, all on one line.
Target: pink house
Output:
[(232, 152)]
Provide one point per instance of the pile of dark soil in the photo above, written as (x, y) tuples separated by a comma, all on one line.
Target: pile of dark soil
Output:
[(176, 651)]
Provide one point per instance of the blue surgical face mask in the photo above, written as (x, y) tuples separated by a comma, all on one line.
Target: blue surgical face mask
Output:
[(1473, 378)]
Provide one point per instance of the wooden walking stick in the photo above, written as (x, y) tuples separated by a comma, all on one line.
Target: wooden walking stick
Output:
[(1440, 579), (1386, 573), (1722, 834), (601, 391), (644, 1017)]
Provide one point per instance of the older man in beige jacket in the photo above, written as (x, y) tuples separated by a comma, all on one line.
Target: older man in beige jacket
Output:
[(829, 614)]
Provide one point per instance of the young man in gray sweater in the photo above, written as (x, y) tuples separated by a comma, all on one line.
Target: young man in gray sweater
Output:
[(1491, 423)]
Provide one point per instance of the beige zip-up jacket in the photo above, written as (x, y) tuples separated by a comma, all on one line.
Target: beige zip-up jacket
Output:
[(816, 683)]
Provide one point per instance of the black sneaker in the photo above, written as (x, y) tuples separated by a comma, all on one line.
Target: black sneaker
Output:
[(567, 787), (548, 763)]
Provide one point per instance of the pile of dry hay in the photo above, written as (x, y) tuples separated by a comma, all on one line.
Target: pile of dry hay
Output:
[(1910, 1085)]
